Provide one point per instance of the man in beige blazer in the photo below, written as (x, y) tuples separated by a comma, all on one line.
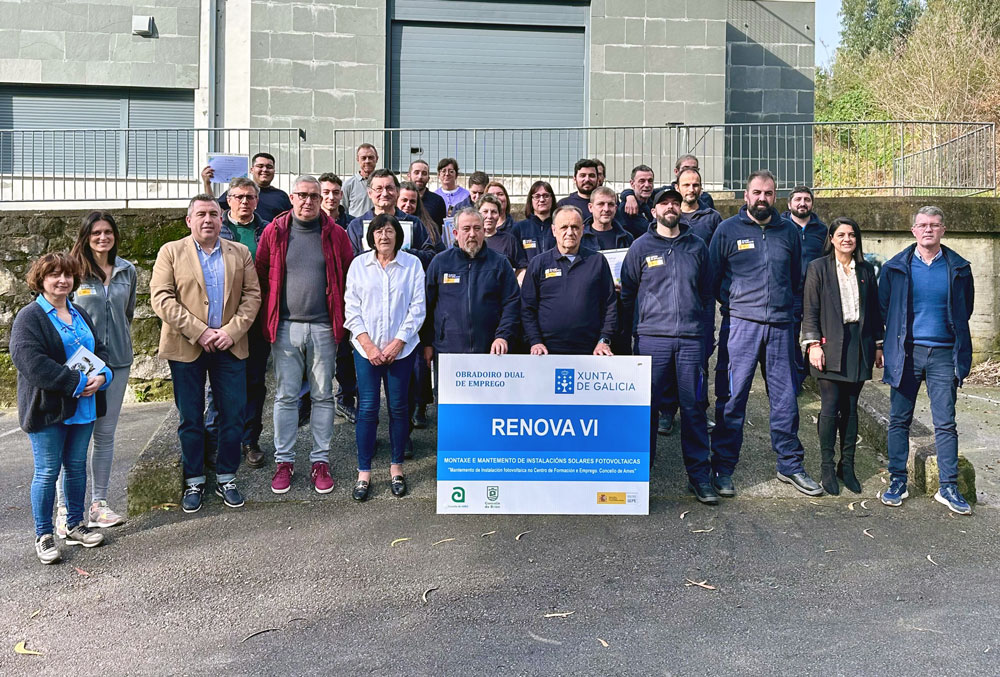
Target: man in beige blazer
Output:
[(205, 289)]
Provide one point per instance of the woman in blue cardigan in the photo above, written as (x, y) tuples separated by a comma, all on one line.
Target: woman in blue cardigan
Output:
[(57, 405)]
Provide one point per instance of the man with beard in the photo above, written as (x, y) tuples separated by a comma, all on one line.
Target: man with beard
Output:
[(671, 262), (701, 219), (756, 258), (638, 221), (813, 233), (420, 174), (473, 301), (568, 299), (684, 162), (356, 199), (585, 178)]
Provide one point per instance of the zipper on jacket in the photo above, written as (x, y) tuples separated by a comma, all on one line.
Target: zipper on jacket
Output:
[(767, 275)]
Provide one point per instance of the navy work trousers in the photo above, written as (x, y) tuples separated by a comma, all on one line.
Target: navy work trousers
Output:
[(678, 374), (747, 345)]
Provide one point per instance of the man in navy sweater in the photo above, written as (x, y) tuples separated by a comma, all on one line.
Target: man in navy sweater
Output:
[(383, 189), (814, 234), (670, 262), (641, 183), (420, 174), (473, 302), (568, 301), (756, 258), (271, 201), (585, 178), (926, 293)]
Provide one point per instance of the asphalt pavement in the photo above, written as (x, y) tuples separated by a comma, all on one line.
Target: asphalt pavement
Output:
[(768, 583)]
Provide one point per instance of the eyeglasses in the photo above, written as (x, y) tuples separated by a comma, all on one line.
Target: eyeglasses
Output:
[(243, 198), (538, 197), (927, 226), (271, 167), (306, 197)]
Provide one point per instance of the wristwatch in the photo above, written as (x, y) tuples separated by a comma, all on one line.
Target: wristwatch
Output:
[(605, 341)]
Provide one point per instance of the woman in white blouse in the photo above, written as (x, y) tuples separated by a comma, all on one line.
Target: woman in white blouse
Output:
[(384, 309), (842, 334)]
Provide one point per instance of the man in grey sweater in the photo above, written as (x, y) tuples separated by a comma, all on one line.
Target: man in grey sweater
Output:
[(303, 256)]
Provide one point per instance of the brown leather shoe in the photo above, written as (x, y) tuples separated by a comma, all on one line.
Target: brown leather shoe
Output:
[(254, 456)]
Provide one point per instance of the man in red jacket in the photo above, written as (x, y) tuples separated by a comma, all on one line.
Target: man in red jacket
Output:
[(302, 261)]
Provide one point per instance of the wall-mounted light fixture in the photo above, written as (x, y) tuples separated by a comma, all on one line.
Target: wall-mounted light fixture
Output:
[(142, 26)]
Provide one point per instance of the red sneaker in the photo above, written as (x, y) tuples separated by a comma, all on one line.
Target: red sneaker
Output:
[(282, 480), (322, 482)]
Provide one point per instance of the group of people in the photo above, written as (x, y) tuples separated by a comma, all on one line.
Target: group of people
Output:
[(365, 281)]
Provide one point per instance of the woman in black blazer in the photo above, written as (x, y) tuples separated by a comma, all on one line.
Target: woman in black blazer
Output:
[(842, 335)]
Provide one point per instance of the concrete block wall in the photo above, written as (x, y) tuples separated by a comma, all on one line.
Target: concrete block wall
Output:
[(319, 67), (653, 62), (91, 43), (770, 72)]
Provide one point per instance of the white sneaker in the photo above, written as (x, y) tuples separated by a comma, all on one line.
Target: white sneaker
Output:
[(102, 516), (61, 529), (46, 549)]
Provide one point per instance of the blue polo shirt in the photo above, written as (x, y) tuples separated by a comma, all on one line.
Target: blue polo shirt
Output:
[(74, 335)]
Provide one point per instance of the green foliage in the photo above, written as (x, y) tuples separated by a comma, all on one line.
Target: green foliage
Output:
[(875, 25)]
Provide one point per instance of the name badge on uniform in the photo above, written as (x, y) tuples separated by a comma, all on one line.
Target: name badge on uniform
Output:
[(85, 291), (654, 260), (450, 279), (528, 244), (743, 245), (553, 272)]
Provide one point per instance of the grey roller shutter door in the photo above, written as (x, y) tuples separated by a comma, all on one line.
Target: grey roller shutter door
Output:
[(167, 148), (459, 75), (52, 152), (104, 151)]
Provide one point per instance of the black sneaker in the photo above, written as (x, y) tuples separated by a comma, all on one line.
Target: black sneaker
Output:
[(666, 425), (723, 485), (229, 494), (420, 418), (705, 493), (348, 412), (192, 498)]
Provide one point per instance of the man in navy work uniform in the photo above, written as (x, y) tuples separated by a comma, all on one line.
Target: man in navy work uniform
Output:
[(670, 262), (701, 219), (568, 301), (271, 201), (585, 178), (473, 301), (383, 189), (602, 231), (641, 184), (813, 233), (420, 174), (684, 162), (756, 258), (926, 292)]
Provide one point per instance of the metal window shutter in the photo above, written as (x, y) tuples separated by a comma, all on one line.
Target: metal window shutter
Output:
[(59, 152), (459, 75), (167, 148)]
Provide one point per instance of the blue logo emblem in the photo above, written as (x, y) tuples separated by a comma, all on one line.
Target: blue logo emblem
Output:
[(565, 381)]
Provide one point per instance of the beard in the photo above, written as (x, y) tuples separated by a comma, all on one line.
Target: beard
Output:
[(667, 220), (471, 249), (760, 210)]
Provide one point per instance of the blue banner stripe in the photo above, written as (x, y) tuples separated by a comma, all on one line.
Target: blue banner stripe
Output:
[(509, 428)]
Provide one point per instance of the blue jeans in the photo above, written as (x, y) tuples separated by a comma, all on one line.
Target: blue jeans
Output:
[(678, 373), (747, 345), (397, 386), (303, 350), (54, 447), (256, 366), (227, 375), (936, 367)]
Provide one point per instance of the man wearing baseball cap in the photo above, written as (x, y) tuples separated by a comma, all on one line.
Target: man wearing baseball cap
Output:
[(670, 263)]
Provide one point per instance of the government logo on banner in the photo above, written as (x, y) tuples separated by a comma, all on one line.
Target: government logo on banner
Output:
[(565, 380)]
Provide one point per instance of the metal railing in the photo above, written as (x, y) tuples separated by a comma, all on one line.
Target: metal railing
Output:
[(129, 164), (846, 158)]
